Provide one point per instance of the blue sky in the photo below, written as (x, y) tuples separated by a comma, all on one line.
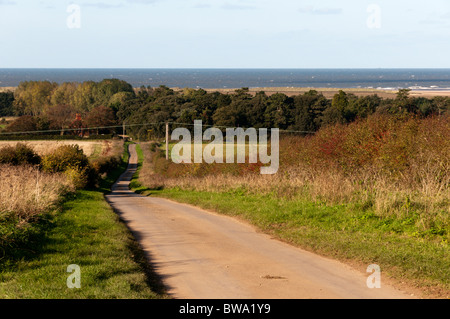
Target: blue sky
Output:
[(226, 34)]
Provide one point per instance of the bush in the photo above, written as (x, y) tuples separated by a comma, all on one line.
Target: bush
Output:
[(63, 157), (18, 155), (79, 177), (106, 164), (26, 123), (71, 160)]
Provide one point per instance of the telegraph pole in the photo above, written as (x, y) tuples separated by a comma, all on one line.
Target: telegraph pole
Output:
[(167, 140)]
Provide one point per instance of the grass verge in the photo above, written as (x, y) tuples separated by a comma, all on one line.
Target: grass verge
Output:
[(85, 232), (135, 184)]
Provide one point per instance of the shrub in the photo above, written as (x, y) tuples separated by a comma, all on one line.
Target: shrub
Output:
[(18, 155), (71, 160), (26, 123), (63, 157), (106, 164), (79, 177)]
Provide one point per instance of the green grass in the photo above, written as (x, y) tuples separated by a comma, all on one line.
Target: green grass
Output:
[(85, 232), (97, 152), (344, 232), (134, 183)]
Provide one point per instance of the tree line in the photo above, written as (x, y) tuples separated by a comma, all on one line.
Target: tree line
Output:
[(43, 105)]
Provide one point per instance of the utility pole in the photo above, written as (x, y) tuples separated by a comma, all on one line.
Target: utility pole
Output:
[(167, 140)]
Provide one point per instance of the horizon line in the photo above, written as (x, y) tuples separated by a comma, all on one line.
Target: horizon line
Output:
[(224, 68)]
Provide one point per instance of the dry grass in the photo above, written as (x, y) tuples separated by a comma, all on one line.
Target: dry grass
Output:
[(7, 88), (112, 148), (327, 92), (28, 192), (90, 148), (387, 197), (9, 118)]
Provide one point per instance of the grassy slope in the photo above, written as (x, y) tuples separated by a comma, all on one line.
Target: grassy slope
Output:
[(87, 233), (344, 232)]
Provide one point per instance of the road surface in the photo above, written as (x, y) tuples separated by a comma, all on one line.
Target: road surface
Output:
[(203, 255)]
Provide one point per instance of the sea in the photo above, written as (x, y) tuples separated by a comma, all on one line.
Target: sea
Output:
[(387, 79)]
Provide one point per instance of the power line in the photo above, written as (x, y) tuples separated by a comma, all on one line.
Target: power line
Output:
[(245, 128), (76, 129), (132, 125)]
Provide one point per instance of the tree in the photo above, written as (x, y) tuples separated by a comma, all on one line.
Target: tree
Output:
[(25, 123), (339, 111), (278, 112), (233, 115), (441, 105), (161, 91), (104, 90), (257, 109), (422, 105), (77, 126), (121, 103), (340, 101), (187, 113), (33, 97), (64, 94), (6, 103), (60, 116), (331, 116), (367, 105), (101, 116), (308, 109), (402, 102), (83, 97)]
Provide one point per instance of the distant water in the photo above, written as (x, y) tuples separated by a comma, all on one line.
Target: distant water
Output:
[(438, 79)]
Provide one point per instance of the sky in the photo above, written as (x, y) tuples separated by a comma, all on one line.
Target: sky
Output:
[(225, 34)]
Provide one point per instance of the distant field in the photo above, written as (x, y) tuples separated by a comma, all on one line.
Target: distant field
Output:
[(235, 147), (8, 118), (330, 92), (90, 148), (327, 92), (7, 88)]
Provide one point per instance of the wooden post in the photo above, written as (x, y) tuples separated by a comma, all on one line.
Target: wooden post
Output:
[(123, 130), (167, 140)]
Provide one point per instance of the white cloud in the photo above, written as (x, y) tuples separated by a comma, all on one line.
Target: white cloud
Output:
[(142, 1), (320, 11), (230, 6), (108, 5), (201, 6), (7, 3), (102, 5)]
